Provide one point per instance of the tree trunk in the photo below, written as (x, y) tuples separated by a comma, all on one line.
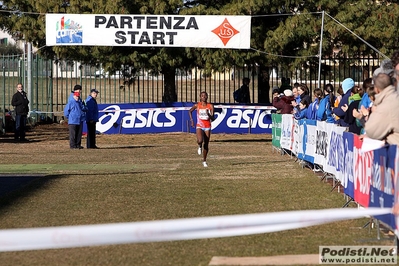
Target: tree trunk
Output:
[(263, 85), (169, 94)]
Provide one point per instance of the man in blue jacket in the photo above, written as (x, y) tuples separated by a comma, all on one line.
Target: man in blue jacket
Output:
[(78, 88), (91, 119), (74, 112)]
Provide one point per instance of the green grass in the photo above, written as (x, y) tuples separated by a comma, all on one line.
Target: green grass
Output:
[(155, 177)]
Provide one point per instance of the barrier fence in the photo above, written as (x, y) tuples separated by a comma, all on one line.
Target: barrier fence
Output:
[(369, 177), (162, 118)]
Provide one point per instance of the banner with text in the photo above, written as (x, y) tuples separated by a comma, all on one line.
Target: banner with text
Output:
[(149, 30), (160, 118), (276, 129)]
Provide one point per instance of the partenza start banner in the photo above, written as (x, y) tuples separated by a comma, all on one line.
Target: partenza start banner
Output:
[(157, 118), (149, 30)]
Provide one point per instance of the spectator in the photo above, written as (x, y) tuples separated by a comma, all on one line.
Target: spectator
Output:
[(21, 106), (314, 106), (73, 111), (395, 65), (356, 94), (303, 92), (354, 125), (302, 110), (386, 67), (347, 86), (91, 119), (77, 89), (338, 97), (383, 123), (285, 85), (324, 113), (363, 114), (245, 97), (367, 83), (295, 93), (283, 103), (275, 91)]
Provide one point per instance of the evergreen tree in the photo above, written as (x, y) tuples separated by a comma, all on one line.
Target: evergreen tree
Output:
[(279, 29)]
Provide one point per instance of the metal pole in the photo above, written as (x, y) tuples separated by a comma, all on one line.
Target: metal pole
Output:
[(321, 47), (4, 98), (29, 76)]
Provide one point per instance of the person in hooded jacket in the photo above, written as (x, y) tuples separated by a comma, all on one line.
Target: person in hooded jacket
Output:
[(354, 125), (347, 86), (283, 103)]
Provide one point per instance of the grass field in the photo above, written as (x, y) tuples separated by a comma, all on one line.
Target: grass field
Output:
[(160, 176)]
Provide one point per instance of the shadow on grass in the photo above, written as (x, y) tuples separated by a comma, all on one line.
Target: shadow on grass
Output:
[(14, 186), (126, 147), (31, 139), (242, 140), (20, 141), (260, 162)]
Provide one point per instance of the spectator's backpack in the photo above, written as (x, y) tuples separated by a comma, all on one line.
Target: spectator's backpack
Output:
[(237, 95)]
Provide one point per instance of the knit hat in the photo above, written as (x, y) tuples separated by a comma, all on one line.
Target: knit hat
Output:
[(347, 84), (288, 93)]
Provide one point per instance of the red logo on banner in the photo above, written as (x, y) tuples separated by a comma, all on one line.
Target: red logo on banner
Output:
[(225, 31)]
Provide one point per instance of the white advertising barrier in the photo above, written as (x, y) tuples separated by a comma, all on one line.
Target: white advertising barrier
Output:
[(322, 138), (286, 131), (149, 30), (335, 152), (168, 230), (297, 137)]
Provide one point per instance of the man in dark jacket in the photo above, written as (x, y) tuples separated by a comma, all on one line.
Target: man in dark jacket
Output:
[(245, 97), (21, 106), (91, 119)]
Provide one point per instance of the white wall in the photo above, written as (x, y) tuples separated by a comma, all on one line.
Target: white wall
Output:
[(10, 40)]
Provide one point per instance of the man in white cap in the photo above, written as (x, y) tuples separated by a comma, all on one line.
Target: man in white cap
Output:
[(347, 86)]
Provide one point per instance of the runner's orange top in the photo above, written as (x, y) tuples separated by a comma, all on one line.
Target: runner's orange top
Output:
[(203, 120)]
